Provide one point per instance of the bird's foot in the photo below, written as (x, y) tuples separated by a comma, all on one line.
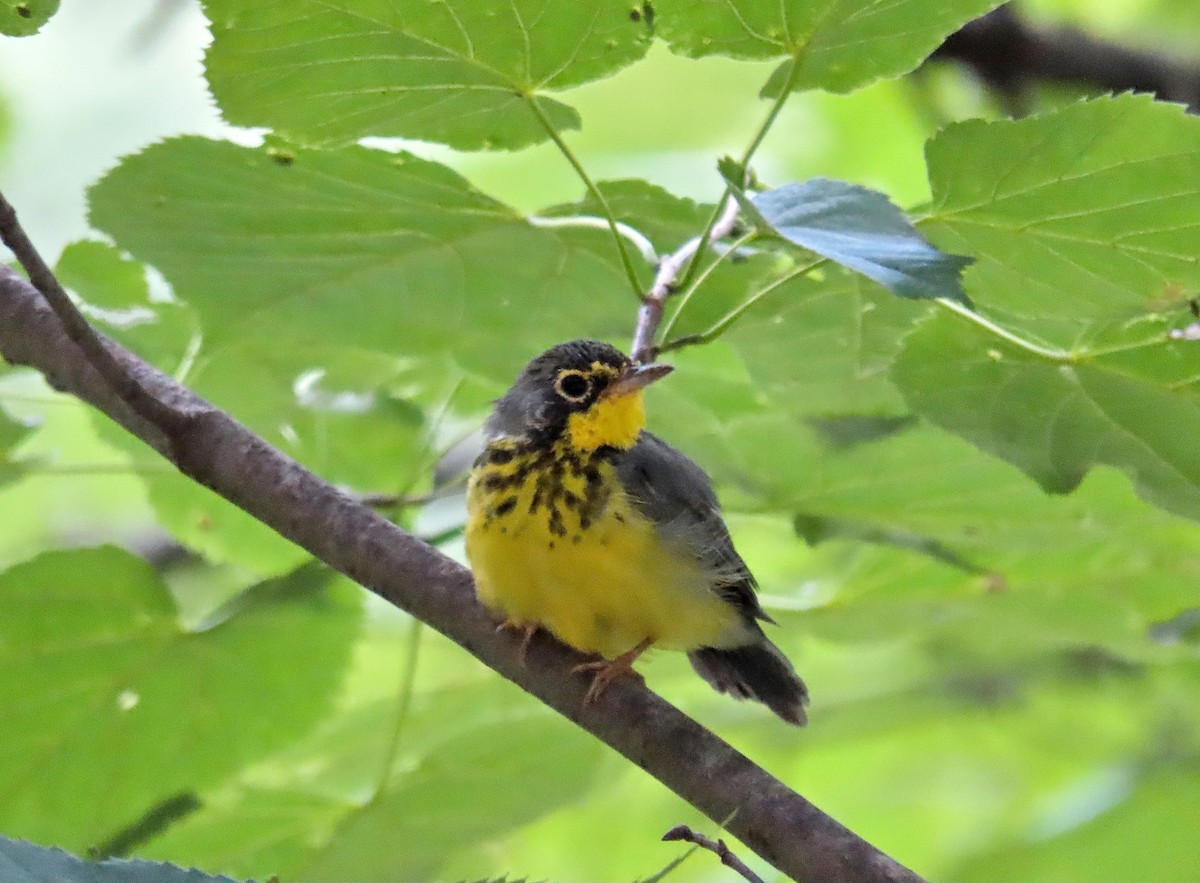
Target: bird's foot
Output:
[(609, 670), (526, 630)]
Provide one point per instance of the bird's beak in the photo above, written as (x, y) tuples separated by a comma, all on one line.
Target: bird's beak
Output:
[(635, 377)]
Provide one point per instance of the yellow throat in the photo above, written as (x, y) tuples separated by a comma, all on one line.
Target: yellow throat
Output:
[(611, 422)]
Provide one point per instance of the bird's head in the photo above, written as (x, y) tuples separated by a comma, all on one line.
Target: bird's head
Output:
[(585, 392)]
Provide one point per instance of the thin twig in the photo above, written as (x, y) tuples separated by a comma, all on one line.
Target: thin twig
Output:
[(157, 819), (723, 852), (34, 467), (651, 311), (669, 867), (408, 679), (159, 413), (595, 191), (733, 248), (721, 325), (404, 501)]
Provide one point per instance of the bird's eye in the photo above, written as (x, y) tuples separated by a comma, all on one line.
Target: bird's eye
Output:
[(572, 386)]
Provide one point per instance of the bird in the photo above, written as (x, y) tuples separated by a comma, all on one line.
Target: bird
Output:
[(583, 523)]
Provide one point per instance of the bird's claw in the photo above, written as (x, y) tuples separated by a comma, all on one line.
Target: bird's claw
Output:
[(609, 670), (526, 629)]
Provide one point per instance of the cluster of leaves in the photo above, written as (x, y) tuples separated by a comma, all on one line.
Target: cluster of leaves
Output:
[(359, 306)]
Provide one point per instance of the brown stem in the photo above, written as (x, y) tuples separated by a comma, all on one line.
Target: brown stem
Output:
[(722, 851), (650, 313)]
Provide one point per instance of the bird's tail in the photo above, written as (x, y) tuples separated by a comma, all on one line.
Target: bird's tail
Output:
[(755, 671)]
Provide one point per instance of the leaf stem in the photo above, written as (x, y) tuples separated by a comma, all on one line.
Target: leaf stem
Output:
[(748, 154), (689, 273), (636, 238), (406, 501), (1132, 346), (719, 327), (1054, 355), (34, 468), (699, 281), (776, 106), (408, 678), (605, 209), (167, 419), (33, 399), (650, 313)]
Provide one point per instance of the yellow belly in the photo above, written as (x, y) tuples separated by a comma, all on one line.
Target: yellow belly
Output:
[(603, 588)]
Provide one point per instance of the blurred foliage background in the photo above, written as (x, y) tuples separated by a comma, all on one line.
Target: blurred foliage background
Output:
[(1006, 683)]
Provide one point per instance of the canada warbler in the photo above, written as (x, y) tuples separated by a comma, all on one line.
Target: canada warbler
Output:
[(582, 523)]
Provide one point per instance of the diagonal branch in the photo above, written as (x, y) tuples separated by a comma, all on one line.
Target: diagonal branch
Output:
[(718, 847), (1008, 53), (217, 451), (77, 328)]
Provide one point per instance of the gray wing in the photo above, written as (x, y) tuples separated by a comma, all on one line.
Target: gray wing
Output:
[(677, 496)]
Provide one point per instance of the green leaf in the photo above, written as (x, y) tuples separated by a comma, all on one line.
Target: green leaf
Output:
[(668, 221), (395, 254), (927, 483), (1083, 219), (459, 72), (117, 297), (821, 345), (1110, 825), (860, 229), (417, 278), (1055, 420), (325, 811), (336, 411), (819, 529), (103, 276), (460, 795), (215, 528), (847, 431), (22, 862), (838, 45), (200, 519), (12, 433), (111, 707), (20, 18)]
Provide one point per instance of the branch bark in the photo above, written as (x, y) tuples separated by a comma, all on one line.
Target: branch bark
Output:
[(717, 847), (211, 447), (1008, 53)]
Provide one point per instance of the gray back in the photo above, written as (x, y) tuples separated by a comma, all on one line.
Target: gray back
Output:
[(677, 495)]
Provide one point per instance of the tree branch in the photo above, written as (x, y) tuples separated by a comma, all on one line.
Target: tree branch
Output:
[(217, 451), (651, 311), (717, 847), (1008, 53), (161, 414)]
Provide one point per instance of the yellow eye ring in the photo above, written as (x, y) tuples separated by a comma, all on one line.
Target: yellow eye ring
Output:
[(572, 385)]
